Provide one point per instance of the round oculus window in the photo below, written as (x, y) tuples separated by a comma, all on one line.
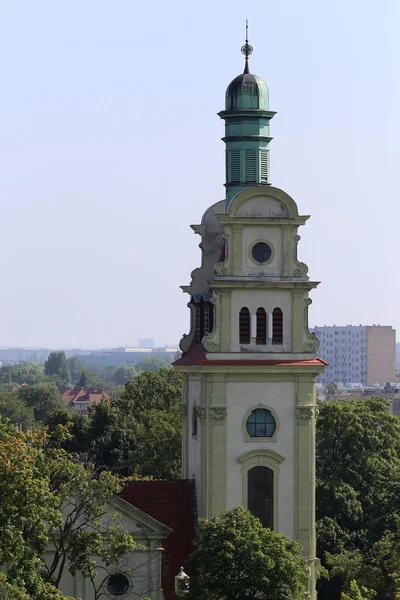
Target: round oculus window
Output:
[(118, 584), (261, 252)]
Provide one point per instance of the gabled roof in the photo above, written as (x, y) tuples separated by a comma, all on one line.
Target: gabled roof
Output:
[(133, 512), (88, 395)]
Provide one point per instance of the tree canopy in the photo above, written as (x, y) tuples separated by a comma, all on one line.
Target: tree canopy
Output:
[(239, 559), (46, 495), (57, 365), (358, 490)]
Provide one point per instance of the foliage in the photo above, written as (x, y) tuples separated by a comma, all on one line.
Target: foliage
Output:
[(331, 388), (159, 390), (42, 398), (139, 432), (28, 508), (76, 367), (57, 365), (46, 495), (239, 559), (152, 363), (15, 410), (357, 593), (358, 486), (22, 372), (123, 374)]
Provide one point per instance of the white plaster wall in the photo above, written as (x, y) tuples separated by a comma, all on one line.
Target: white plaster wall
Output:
[(271, 235), (280, 396), (267, 299), (262, 206), (194, 397)]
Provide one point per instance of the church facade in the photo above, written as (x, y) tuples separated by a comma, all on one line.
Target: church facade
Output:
[(249, 361)]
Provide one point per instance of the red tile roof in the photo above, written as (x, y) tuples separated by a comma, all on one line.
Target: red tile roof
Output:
[(173, 504), (193, 356), (197, 356), (87, 394)]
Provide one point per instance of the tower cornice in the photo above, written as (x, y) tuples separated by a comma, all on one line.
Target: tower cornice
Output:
[(232, 283)]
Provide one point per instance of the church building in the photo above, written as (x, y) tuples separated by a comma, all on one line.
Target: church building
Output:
[(249, 361)]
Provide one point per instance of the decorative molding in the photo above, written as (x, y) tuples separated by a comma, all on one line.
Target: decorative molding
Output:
[(210, 342), (312, 342), (218, 413), (225, 268), (301, 268), (201, 413), (183, 409), (304, 414)]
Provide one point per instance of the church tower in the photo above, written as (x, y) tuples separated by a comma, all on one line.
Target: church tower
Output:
[(249, 361)]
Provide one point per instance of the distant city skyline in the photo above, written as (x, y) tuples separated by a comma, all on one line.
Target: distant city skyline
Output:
[(111, 148)]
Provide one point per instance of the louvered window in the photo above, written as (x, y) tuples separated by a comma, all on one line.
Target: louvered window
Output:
[(261, 326), (244, 326), (197, 334), (277, 326), (226, 166), (204, 320), (235, 165), (264, 166), (251, 166)]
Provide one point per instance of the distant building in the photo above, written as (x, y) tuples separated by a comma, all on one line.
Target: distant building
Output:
[(357, 354), (127, 356), (81, 399), (397, 355)]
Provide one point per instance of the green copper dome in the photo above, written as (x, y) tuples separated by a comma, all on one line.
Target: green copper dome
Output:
[(247, 92)]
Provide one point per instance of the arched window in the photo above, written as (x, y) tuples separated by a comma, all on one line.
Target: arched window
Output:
[(261, 326), (244, 326), (260, 494), (260, 423), (277, 326)]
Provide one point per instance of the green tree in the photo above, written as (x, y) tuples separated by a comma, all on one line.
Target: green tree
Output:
[(23, 372), (42, 398), (76, 367), (57, 365), (139, 432), (238, 559), (159, 390), (15, 410), (123, 374), (45, 495), (83, 380), (358, 486), (152, 363), (331, 388), (28, 508)]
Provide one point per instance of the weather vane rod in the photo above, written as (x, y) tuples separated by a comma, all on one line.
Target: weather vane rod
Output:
[(247, 49)]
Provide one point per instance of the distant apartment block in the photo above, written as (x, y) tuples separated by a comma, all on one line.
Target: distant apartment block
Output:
[(363, 354)]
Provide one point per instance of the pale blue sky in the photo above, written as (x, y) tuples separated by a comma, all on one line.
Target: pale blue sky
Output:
[(110, 148)]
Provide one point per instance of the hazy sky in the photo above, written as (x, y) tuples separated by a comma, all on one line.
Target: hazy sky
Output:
[(110, 148)]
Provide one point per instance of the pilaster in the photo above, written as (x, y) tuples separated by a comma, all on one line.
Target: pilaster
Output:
[(298, 319), (237, 255), (218, 414), (287, 250), (225, 326), (185, 433), (205, 446), (305, 475)]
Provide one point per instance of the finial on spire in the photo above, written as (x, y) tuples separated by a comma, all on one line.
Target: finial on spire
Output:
[(247, 49)]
